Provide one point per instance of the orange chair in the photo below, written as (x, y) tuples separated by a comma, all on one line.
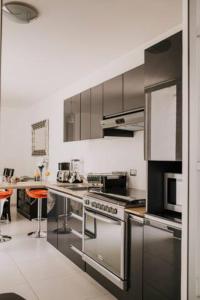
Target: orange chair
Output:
[(39, 195), (4, 195)]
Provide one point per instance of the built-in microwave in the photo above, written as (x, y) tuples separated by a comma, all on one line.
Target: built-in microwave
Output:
[(173, 192)]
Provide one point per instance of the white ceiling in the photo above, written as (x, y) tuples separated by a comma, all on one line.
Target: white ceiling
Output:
[(73, 38)]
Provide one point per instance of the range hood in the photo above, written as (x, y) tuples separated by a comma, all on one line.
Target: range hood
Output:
[(123, 125)]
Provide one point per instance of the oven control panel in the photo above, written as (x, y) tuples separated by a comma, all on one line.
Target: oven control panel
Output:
[(105, 207)]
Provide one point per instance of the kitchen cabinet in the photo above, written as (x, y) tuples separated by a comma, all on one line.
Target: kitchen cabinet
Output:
[(113, 96), (64, 225), (72, 119), (55, 206), (162, 261), (164, 123), (163, 61), (136, 257), (27, 206), (134, 97), (96, 111), (85, 115), (70, 238), (163, 100)]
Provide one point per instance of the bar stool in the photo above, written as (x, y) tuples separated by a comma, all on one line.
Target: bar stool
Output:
[(3, 198), (39, 195)]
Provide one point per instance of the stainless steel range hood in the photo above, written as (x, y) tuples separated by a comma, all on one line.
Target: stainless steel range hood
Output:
[(123, 125)]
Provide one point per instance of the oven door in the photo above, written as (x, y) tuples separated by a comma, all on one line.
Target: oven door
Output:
[(104, 243)]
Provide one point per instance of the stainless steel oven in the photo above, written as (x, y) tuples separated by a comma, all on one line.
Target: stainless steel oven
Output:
[(104, 242)]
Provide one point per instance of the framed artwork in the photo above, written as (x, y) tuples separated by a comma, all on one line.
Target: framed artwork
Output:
[(40, 138)]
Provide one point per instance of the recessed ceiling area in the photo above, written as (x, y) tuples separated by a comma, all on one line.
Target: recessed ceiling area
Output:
[(72, 39)]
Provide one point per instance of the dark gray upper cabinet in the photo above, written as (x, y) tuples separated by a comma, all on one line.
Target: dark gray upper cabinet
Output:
[(96, 111), (76, 107), (163, 61), (72, 119), (67, 117), (134, 89), (85, 115), (113, 96)]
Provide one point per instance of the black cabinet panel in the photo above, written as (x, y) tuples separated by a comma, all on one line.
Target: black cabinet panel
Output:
[(72, 119), (76, 106), (64, 226), (134, 89), (96, 111), (136, 258), (68, 125), (163, 61), (162, 262), (113, 99), (85, 115)]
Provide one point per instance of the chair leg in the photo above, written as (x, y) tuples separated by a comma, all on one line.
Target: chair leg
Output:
[(3, 238), (39, 233), (9, 213)]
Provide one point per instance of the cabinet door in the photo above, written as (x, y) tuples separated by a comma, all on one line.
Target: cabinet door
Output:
[(85, 115), (163, 125), (136, 258), (70, 231), (163, 61), (68, 127), (96, 111), (162, 262), (76, 120), (134, 89), (113, 102)]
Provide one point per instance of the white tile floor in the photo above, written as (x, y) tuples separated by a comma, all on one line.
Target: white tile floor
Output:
[(34, 269)]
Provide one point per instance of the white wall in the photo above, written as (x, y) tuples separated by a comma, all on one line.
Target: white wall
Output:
[(14, 136)]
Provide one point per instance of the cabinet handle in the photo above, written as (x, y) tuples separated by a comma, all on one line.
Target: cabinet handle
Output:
[(76, 250), (76, 233), (137, 219)]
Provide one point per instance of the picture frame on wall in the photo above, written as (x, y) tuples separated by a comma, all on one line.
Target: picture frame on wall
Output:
[(40, 138)]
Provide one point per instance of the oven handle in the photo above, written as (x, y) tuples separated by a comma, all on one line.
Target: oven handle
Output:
[(101, 218)]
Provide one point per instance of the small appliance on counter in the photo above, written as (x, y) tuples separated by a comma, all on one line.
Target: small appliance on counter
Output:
[(63, 173), (112, 183), (75, 170)]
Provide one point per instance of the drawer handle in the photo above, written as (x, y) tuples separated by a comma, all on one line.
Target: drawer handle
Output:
[(76, 250)]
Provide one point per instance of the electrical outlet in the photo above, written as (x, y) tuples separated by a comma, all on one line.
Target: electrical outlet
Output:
[(133, 172)]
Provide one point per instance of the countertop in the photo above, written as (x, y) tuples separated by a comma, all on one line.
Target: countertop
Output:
[(62, 187), (138, 211)]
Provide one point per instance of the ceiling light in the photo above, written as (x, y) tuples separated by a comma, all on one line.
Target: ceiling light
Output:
[(20, 12)]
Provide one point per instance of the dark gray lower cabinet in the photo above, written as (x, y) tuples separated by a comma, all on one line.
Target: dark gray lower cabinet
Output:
[(64, 225), (55, 204), (162, 262), (136, 257)]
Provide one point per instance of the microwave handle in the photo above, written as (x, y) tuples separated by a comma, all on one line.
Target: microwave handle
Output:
[(103, 219)]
